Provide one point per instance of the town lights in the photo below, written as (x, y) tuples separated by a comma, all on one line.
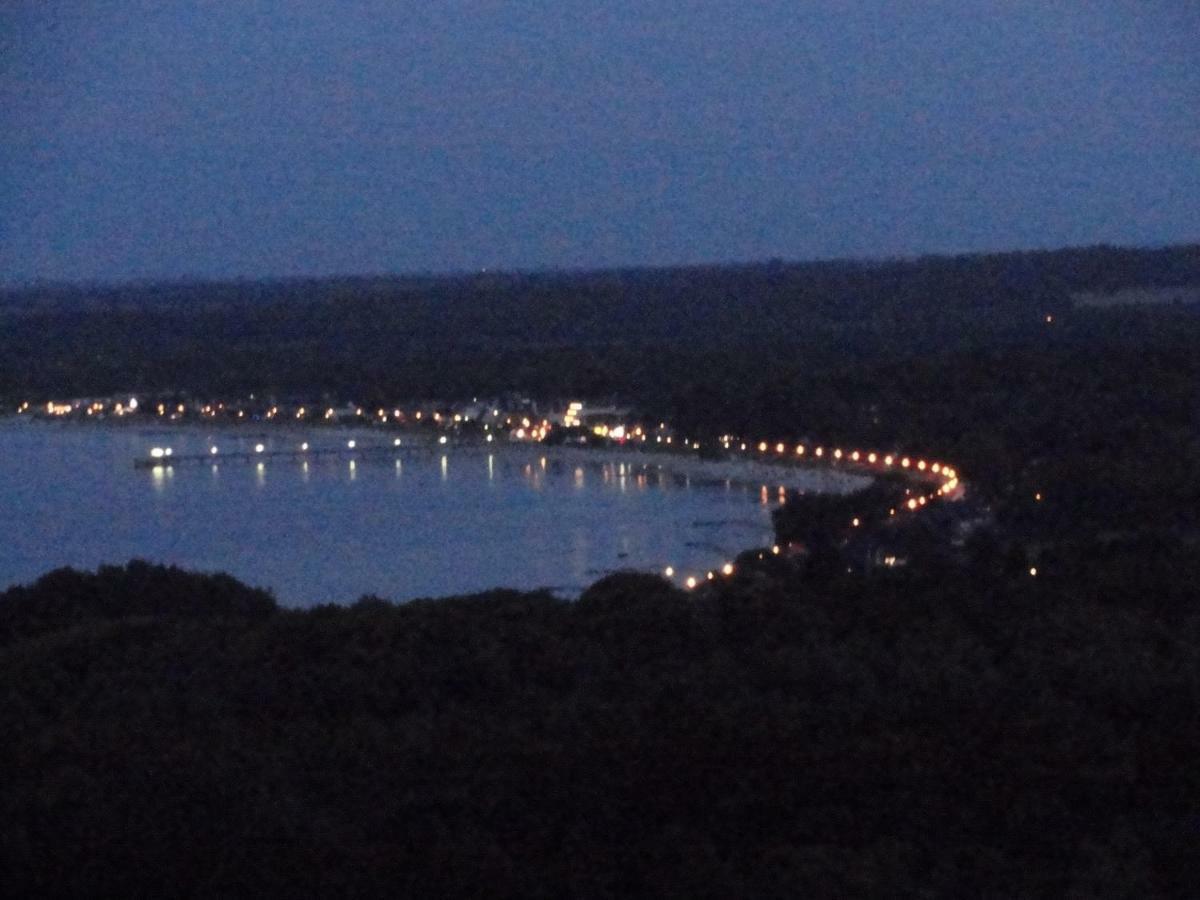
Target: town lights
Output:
[(762, 447), (213, 451), (727, 569), (259, 448), (158, 452), (691, 582), (669, 571), (351, 444)]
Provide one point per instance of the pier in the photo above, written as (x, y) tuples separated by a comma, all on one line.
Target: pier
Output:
[(164, 456)]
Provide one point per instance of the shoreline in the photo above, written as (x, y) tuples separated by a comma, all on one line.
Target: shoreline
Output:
[(741, 471), (735, 471)]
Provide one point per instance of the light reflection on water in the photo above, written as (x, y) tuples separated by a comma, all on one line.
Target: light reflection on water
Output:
[(332, 529)]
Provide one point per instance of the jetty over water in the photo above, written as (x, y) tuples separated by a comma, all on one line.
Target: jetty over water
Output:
[(351, 449)]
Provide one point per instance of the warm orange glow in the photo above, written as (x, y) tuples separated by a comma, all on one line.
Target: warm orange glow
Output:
[(727, 569)]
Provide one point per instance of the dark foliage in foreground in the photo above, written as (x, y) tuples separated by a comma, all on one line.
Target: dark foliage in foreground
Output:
[(962, 733)]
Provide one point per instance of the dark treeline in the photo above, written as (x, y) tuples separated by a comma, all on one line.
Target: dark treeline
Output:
[(955, 733), (606, 331)]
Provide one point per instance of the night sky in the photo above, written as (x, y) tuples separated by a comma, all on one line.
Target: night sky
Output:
[(159, 139)]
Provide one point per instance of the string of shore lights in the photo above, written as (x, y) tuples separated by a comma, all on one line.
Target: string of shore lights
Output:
[(946, 478), (523, 429)]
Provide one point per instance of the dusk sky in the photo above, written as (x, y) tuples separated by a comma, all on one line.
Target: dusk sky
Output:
[(166, 139)]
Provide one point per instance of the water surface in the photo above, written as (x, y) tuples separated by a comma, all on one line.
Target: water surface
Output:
[(402, 525)]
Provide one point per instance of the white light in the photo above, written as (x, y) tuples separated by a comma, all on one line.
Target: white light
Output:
[(442, 439), (157, 452), (213, 451), (304, 446), (396, 442), (351, 444), (669, 571), (727, 569), (167, 452), (132, 404), (259, 448)]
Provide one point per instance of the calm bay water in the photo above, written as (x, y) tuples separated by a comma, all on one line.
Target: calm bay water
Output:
[(417, 524)]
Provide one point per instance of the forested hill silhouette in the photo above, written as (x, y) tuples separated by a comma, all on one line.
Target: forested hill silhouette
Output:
[(642, 333), (785, 732)]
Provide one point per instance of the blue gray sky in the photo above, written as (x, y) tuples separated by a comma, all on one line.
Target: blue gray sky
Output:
[(178, 138)]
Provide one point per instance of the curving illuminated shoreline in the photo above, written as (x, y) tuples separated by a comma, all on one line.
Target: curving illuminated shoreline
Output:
[(840, 470)]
